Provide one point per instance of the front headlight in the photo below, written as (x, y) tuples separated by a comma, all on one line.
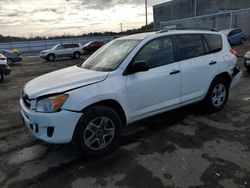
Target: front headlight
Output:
[(51, 104)]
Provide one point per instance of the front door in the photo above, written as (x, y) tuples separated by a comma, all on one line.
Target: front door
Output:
[(159, 87)]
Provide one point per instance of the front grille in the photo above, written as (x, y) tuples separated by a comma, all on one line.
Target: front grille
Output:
[(26, 100)]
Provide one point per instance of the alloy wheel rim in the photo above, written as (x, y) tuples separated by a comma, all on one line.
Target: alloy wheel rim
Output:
[(9, 62), (99, 133), (218, 95)]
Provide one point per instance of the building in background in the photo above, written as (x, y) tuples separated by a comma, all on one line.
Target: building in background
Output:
[(219, 14)]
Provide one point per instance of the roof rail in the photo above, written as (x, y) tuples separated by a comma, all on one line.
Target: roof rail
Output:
[(185, 28)]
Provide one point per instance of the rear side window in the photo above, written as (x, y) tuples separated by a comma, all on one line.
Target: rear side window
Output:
[(157, 52), (213, 43), (189, 46), (67, 45)]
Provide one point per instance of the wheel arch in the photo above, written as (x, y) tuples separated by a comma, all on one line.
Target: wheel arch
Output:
[(113, 104), (224, 75), (51, 54)]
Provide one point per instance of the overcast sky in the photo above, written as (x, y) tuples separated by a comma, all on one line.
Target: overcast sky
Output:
[(55, 17)]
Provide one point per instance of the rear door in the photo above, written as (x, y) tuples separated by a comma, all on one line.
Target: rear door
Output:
[(69, 50), (198, 66)]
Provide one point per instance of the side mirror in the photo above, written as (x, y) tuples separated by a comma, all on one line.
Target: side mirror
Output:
[(138, 66)]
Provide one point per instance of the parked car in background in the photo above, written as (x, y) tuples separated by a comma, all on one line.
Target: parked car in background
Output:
[(62, 50), (4, 68), (130, 78), (11, 58), (91, 47), (235, 36), (15, 51), (247, 60)]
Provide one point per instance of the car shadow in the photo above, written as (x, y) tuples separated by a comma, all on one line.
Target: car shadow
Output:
[(144, 128)]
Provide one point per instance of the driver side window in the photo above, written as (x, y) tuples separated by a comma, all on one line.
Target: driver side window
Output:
[(157, 52), (60, 47)]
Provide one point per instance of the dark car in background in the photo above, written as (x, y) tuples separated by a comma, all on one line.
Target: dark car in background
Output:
[(91, 47), (4, 68), (235, 36), (11, 57)]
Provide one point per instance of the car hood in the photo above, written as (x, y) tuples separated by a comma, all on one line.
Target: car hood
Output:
[(62, 80), (45, 51)]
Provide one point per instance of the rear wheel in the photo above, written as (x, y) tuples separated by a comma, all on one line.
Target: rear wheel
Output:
[(51, 57), (248, 68), (242, 40), (217, 95), (76, 55), (98, 131)]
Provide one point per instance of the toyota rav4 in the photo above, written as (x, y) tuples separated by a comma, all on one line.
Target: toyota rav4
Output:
[(129, 79)]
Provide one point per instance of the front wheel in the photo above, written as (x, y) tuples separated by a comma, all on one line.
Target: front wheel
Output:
[(9, 62), (51, 57), (217, 95), (98, 131)]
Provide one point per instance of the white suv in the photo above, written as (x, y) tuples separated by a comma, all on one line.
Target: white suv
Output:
[(129, 79), (62, 50)]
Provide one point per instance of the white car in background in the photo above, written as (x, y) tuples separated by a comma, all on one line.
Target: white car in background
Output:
[(129, 79), (4, 68), (62, 50)]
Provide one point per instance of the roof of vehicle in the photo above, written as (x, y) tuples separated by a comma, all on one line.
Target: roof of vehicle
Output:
[(68, 43), (142, 36)]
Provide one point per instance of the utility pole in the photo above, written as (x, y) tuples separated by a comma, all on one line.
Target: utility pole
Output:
[(195, 8), (146, 11), (121, 26)]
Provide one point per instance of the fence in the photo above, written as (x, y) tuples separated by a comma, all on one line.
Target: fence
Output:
[(34, 46), (219, 21)]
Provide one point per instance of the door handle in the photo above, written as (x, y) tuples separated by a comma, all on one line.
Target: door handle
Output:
[(174, 72), (212, 62)]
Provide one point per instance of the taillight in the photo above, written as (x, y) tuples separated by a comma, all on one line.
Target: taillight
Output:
[(233, 51), (2, 58)]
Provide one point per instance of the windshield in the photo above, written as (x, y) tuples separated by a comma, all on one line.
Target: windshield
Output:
[(55, 47), (110, 56), (87, 44)]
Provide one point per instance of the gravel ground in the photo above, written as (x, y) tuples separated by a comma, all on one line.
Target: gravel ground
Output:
[(180, 148)]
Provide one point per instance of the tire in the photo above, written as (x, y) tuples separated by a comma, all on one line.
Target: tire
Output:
[(89, 137), (9, 62), (242, 40), (217, 95), (76, 55), (51, 57), (1, 77), (248, 68)]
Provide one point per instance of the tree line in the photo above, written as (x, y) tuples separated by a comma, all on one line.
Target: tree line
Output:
[(145, 28)]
